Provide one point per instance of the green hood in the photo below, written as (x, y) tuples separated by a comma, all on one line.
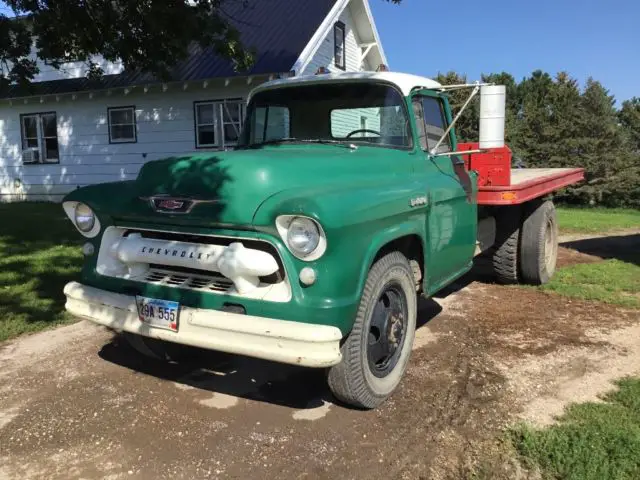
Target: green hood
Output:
[(239, 181)]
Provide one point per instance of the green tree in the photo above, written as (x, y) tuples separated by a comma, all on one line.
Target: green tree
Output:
[(467, 125), (629, 116), (533, 137), (602, 148), (148, 36)]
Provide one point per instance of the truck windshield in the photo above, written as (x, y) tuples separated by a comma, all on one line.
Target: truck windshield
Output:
[(350, 113)]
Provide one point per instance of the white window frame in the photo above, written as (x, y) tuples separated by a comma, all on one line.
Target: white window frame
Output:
[(225, 107), (197, 123), (41, 138), (219, 121), (130, 108), (340, 34)]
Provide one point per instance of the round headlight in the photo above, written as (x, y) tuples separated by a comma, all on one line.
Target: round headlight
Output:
[(303, 236), (84, 217)]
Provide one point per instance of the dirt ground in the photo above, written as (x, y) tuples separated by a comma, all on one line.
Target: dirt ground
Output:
[(76, 402)]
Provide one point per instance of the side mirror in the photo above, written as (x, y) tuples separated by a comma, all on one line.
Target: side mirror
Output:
[(492, 115)]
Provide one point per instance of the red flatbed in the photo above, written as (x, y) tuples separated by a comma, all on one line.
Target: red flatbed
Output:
[(501, 184), (527, 184)]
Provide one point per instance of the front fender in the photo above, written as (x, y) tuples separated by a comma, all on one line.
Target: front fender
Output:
[(413, 225), (357, 222)]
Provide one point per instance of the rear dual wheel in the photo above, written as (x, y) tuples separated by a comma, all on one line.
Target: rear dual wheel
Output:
[(539, 243), (376, 352), (526, 247)]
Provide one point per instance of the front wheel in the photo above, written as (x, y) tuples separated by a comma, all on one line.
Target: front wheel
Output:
[(376, 352)]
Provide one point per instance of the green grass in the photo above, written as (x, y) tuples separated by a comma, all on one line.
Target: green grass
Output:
[(614, 280), (610, 281), (39, 253), (592, 441), (597, 220)]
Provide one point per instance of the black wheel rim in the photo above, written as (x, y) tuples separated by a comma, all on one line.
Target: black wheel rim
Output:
[(387, 330)]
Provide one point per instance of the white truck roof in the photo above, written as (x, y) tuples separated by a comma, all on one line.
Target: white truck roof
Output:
[(405, 82)]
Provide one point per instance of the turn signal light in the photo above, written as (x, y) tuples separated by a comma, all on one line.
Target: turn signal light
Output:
[(509, 196)]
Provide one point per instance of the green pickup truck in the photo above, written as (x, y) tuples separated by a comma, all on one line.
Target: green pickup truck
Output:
[(309, 244)]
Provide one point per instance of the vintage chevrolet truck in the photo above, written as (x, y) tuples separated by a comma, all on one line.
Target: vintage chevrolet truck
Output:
[(347, 197)]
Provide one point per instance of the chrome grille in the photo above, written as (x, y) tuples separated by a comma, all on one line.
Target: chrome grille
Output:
[(213, 283)]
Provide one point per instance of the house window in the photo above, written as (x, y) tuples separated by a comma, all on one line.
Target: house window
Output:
[(218, 123), (232, 116), (122, 124), (39, 138), (338, 38)]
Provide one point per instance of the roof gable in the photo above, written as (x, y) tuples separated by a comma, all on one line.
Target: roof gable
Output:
[(364, 24)]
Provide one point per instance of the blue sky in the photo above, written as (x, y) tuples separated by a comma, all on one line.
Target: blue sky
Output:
[(583, 37)]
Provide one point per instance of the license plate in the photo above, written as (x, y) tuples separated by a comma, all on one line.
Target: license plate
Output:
[(158, 313)]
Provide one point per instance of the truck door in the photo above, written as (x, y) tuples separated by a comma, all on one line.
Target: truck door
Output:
[(451, 216)]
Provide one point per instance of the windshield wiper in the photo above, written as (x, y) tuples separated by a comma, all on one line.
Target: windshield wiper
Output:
[(329, 142), (275, 141)]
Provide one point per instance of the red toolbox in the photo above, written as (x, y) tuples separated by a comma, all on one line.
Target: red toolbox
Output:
[(493, 166)]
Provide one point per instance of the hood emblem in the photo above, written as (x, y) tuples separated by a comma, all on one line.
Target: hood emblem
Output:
[(166, 204), (170, 204)]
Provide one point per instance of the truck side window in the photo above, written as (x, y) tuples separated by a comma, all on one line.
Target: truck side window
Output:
[(419, 116), (435, 123)]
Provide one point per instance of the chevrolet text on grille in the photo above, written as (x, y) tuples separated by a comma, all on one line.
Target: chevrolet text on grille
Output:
[(173, 253), (243, 266)]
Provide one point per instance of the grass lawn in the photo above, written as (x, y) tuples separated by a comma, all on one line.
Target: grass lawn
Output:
[(610, 281), (39, 253), (597, 220), (592, 441), (616, 279)]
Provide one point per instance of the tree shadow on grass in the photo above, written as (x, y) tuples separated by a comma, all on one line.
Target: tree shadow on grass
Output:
[(30, 295), (622, 247), (32, 226), (39, 254)]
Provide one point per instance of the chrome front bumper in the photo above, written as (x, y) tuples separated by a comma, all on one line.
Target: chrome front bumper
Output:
[(271, 339)]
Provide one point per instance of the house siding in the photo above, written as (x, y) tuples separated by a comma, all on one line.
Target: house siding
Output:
[(165, 126)]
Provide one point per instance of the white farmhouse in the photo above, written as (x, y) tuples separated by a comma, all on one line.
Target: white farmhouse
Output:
[(68, 132)]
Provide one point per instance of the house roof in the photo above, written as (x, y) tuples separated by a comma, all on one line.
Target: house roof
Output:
[(403, 81), (278, 30)]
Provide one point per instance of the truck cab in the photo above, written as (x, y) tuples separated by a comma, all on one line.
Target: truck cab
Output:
[(346, 198)]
